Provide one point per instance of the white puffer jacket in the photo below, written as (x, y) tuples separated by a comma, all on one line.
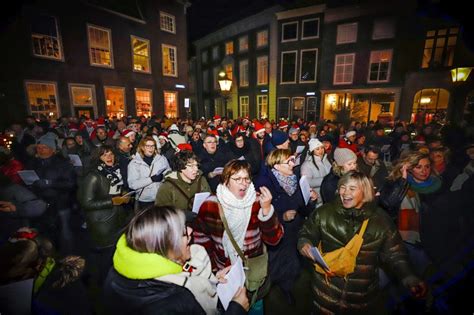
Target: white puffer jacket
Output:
[(314, 174), (139, 176)]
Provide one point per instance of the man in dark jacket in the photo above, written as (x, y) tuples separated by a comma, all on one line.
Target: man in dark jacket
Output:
[(370, 164), (124, 146), (213, 159)]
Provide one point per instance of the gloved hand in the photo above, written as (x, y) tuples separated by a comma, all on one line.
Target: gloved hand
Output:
[(157, 178), (42, 183)]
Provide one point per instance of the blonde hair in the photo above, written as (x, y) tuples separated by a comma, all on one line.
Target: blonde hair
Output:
[(364, 182), (412, 159), (141, 146), (278, 156)]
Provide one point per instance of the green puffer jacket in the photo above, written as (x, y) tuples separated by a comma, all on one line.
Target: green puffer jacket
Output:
[(104, 220), (335, 226)]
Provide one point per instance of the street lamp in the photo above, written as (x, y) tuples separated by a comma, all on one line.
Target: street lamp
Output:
[(459, 75), (225, 85)]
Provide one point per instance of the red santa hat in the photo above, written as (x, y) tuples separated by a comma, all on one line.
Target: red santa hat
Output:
[(185, 147), (163, 136), (216, 117), (128, 133), (282, 124), (100, 122), (213, 132), (258, 127), (73, 127)]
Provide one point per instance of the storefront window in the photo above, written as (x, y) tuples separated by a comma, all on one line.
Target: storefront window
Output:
[(429, 104)]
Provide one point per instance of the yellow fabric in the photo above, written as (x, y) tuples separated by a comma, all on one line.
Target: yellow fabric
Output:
[(135, 265), (342, 261)]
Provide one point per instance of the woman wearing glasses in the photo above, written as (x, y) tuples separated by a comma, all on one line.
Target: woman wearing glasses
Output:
[(250, 218), (145, 172), (283, 184), (180, 186), (157, 271)]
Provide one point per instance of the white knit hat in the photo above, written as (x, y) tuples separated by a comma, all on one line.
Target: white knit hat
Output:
[(350, 133), (313, 144), (343, 155)]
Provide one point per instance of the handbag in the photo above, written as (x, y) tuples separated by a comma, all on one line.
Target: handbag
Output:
[(256, 268), (342, 261)]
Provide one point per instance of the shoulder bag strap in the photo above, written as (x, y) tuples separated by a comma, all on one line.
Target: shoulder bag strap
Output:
[(231, 237), (181, 191), (364, 226)]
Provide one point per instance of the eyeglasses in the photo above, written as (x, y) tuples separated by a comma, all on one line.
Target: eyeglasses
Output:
[(209, 142), (289, 160), (241, 180), (149, 146), (196, 165)]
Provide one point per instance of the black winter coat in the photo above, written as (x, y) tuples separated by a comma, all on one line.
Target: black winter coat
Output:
[(329, 187), (127, 296), (104, 220)]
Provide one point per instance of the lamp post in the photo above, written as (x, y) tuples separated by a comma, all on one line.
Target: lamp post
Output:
[(225, 85), (458, 76)]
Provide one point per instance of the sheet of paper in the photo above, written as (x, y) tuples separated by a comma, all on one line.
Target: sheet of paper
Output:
[(318, 258), (305, 189), (405, 146), (299, 149), (241, 158), (75, 159), (199, 198), (235, 279), (218, 170), (385, 148), (28, 176)]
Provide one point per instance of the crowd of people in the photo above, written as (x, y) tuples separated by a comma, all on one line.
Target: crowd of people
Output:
[(96, 216)]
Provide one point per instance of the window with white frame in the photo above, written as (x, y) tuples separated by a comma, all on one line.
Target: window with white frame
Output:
[(215, 73), (228, 70), (244, 73), (43, 99), (244, 106), (262, 106), (100, 46), (346, 33), (215, 52), (288, 67), (205, 80), (143, 102), (283, 107), (243, 43), (439, 47), (170, 60), (171, 104), (380, 62), (167, 22), (115, 101), (383, 28), (310, 29), (289, 31), (229, 48), (141, 54), (344, 69), (262, 38), (262, 70), (82, 95), (309, 60), (204, 57), (45, 37)]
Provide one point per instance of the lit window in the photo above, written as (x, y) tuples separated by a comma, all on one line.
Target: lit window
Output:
[(42, 99), (244, 73), (309, 59), (383, 28), (170, 61), (115, 101), (346, 33), (262, 70), (243, 43), (262, 106), (379, 69), (244, 106), (143, 102), (100, 46), (288, 67), (439, 47), (167, 23), (262, 38), (45, 37), (310, 29), (171, 104), (141, 54), (289, 31), (229, 48), (82, 96), (228, 70), (344, 69)]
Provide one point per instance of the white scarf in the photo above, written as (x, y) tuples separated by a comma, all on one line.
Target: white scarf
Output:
[(237, 212)]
